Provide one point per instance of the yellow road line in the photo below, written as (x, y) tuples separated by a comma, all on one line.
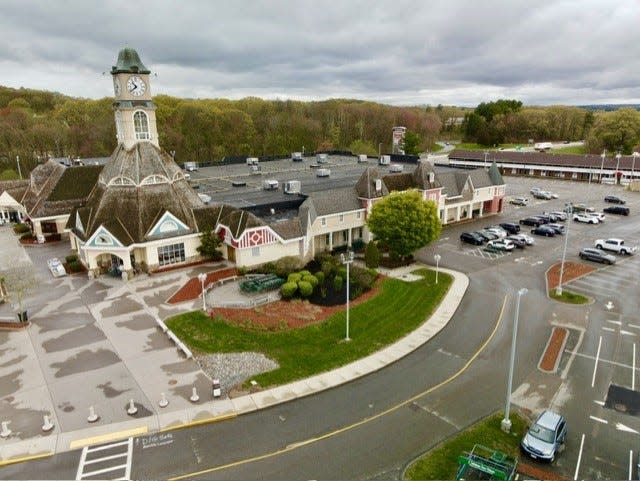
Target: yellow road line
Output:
[(291, 447), (24, 459), (215, 419), (103, 438)]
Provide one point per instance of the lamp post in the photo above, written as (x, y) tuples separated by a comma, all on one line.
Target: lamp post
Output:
[(602, 156), (346, 260), (618, 156), (203, 277), (505, 425), (437, 258), (633, 163), (379, 149), (18, 162), (569, 210)]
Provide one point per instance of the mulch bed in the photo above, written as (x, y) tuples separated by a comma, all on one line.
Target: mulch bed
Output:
[(551, 357), (538, 473), (572, 270), (193, 289)]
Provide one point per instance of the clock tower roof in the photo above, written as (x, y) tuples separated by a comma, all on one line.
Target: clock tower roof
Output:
[(129, 62)]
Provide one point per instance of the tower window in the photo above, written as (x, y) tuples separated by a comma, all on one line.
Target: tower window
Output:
[(141, 125)]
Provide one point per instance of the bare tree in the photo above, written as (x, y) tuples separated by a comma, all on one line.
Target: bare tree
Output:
[(16, 285)]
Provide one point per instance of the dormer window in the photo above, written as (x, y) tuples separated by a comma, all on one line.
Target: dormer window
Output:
[(141, 125)]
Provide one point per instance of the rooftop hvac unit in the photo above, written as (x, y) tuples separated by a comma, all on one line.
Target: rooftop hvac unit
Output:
[(296, 156), (323, 173), (270, 184), (292, 187), (362, 158), (252, 160), (321, 158), (396, 168), (385, 160), (378, 184)]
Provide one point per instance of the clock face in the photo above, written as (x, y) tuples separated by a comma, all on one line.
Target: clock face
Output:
[(116, 86), (136, 86)]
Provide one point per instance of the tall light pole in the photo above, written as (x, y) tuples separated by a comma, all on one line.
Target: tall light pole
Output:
[(18, 162), (633, 163), (203, 277), (604, 153), (379, 149), (569, 210), (346, 260), (618, 156), (437, 258), (505, 424)]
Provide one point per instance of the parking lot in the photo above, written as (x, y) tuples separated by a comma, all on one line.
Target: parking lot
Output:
[(595, 386)]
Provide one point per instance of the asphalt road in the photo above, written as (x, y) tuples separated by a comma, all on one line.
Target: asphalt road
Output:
[(371, 428)]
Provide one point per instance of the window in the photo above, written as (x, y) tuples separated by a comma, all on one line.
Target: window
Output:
[(323, 221), (358, 215), (360, 233), (345, 236), (141, 125), (255, 251), (171, 254), (341, 218)]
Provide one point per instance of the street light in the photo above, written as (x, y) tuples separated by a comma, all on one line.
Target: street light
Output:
[(618, 156), (379, 149), (346, 260), (203, 277), (437, 258), (604, 153), (18, 162), (505, 425), (633, 163), (569, 210)]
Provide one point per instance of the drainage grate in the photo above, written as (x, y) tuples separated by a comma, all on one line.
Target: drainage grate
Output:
[(623, 400)]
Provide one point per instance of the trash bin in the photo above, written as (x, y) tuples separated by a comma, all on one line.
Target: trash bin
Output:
[(216, 388)]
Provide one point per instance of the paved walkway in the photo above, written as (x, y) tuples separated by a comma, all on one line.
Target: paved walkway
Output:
[(96, 345)]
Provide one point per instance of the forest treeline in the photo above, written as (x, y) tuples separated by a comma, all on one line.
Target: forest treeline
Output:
[(36, 124)]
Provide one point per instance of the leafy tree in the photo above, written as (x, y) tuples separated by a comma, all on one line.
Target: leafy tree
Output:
[(617, 131), (17, 284), (209, 245), (404, 222), (412, 143), (372, 255)]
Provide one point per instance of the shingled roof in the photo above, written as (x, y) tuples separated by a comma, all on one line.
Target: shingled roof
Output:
[(15, 188), (366, 185), (42, 181)]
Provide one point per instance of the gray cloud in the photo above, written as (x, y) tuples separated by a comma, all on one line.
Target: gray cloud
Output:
[(401, 52)]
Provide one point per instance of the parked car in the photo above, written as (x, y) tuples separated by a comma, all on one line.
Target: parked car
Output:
[(525, 237), (582, 208), (559, 228), (559, 215), (510, 227), (501, 245), (544, 230), (534, 221), (472, 238), (546, 436), (486, 235), (616, 245), (519, 201), (56, 267), (617, 210), (553, 195), (543, 194), (598, 215), (614, 200), (517, 241), (591, 254), (584, 217), (545, 218), (497, 230), (535, 190)]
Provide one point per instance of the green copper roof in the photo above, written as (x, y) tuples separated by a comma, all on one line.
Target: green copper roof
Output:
[(129, 62)]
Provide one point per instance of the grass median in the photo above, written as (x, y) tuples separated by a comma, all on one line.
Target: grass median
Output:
[(398, 309)]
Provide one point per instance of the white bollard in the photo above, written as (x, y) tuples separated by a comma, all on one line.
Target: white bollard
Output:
[(132, 408), (163, 401), (194, 396), (5, 432), (47, 425), (93, 417)]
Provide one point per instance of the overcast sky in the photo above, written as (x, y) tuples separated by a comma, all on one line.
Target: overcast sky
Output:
[(449, 52)]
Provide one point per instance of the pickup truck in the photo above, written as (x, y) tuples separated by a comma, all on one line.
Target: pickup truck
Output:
[(615, 245)]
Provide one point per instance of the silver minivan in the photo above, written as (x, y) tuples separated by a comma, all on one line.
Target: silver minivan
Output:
[(545, 438)]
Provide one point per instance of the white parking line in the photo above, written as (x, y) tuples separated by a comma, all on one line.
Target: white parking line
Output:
[(633, 371), (595, 365), (575, 476), (630, 464), (600, 420)]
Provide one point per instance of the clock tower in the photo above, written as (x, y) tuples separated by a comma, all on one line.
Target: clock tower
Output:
[(135, 113)]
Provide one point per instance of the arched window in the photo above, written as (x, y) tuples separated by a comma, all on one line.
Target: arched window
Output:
[(141, 125), (119, 127)]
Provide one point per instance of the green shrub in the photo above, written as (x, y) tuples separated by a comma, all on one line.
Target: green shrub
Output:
[(364, 278), (75, 266), (294, 277), (305, 273), (286, 265), (21, 228), (372, 256), (338, 282), (305, 288), (328, 267), (242, 271), (311, 279), (288, 289), (27, 236), (319, 276), (71, 258)]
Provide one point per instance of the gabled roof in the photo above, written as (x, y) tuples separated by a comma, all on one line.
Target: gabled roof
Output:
[(42, 181), (288, 229), (15, 188), (398, 182), (334, 201), (366, 185), (424, 177)]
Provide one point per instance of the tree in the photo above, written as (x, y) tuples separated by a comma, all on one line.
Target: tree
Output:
[(17, 283), (412, 143), (209, 244), (404, 222)]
